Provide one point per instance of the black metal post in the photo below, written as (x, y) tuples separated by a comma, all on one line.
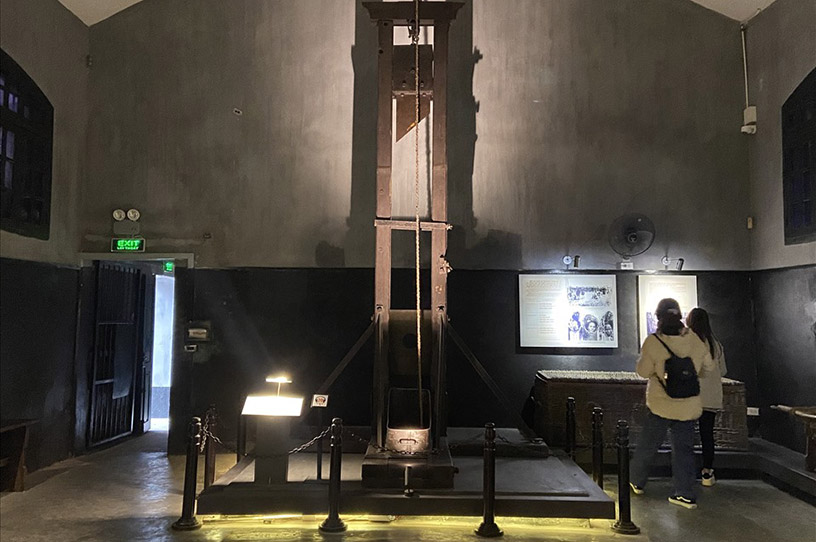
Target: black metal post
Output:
[(333, 523), (597, 446), (624, 523), (488, 528), (570, 428), (209, 447), (240, 445), (188, 521), (320, 445)]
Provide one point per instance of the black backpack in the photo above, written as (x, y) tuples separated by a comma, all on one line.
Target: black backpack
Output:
[(679, 375)]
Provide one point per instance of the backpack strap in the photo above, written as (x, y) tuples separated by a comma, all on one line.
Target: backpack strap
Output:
[(660, 380), (664, 345)]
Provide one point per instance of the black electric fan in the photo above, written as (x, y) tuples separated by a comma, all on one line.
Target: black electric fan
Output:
[(631, 234)]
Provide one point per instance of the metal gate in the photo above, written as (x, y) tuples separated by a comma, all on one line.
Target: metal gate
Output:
[(117, 337)]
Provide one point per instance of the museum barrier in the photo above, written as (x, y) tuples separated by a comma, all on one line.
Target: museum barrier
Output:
[(488, 528), (624, 523), (208, 430), (333, 523), (597, 446), (570, 428), (188, 520)]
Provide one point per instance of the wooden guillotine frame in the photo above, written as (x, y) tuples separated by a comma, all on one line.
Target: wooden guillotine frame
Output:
[(396, 83)]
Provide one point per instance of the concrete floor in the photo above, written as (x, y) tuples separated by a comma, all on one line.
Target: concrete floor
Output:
[(132, 492)]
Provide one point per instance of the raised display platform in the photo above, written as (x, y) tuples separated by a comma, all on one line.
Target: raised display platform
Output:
[(538, 486)]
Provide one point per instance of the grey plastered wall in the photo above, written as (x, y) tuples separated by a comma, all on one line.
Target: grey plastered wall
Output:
[(564, 115), (781, 45), (51, 44)]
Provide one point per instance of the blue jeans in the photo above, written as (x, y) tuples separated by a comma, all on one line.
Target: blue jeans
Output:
[(683, 462)]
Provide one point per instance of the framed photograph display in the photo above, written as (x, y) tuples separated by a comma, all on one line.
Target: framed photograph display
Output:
[(653, 288), (573, 311)]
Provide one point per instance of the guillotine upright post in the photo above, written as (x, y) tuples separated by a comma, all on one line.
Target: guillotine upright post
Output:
[(388, 15)]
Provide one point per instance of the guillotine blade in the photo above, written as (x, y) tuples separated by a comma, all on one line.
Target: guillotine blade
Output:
[(403, 85), (406, 113)]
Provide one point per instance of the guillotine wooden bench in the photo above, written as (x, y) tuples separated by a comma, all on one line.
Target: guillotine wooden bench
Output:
[(13, 443)]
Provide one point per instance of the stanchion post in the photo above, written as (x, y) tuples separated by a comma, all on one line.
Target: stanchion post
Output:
[(488, 528), (333, 523), (624, 523), (209, 447), (241, 441), (188, 521), (320, 445), (597, 446), (570, 428)]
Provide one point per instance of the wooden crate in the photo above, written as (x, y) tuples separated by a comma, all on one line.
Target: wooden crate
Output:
[(622, 396)]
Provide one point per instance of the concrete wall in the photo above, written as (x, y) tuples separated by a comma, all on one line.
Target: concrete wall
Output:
[(50, 44), (781, 44), (38, 318), (564, 115)]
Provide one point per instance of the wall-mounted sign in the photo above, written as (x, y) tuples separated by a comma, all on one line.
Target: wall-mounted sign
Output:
[(198, 334), (127, 244), (169, 267), (568, 311), (653, 288), (320, 401)]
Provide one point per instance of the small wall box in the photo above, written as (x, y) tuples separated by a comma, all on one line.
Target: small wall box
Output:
[(198, 334)]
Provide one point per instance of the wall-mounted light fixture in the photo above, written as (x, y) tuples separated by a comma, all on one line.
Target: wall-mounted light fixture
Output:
[(575, 261), (678, 263)]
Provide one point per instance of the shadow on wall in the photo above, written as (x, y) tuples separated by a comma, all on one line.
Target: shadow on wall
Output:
[(328, 255), (359, 242), (497, 247)]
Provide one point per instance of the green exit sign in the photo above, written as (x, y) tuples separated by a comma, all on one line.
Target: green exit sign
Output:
[(127, 244)]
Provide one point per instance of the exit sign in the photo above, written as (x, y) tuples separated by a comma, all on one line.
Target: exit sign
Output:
[(127, 244)]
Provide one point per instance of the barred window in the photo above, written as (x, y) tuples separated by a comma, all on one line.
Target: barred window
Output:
[(26, 139), (799, 162)]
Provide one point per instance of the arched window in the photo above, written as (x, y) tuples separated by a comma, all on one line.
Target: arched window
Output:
[(799, 162), (26, 136)]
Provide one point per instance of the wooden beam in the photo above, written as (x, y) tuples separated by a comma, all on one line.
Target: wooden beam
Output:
[(401, 13), (384, 112), (411, 225)]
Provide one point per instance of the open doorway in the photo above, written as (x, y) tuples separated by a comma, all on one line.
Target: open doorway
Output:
[(124, 347), (163, 318)]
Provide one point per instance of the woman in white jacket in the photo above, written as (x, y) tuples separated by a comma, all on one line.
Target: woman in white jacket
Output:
[(711, 393), (665, 412)]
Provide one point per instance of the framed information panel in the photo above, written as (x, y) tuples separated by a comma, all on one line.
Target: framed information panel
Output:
[(577, 311), (653, 288)]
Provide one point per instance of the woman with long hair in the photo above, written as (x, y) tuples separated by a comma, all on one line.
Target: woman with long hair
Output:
[(711, 393), (665, 412)]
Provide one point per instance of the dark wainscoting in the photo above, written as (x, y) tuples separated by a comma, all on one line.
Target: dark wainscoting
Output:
[(303, 321), (785, 318), (38, 316)]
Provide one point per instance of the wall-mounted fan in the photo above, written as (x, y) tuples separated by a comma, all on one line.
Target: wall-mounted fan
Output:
[(631, 234)]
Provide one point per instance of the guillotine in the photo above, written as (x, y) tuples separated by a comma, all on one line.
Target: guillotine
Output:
[(409, 422), (408, 447)]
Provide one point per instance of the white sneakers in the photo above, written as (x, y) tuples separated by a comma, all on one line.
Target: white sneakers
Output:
[(708, 477)]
